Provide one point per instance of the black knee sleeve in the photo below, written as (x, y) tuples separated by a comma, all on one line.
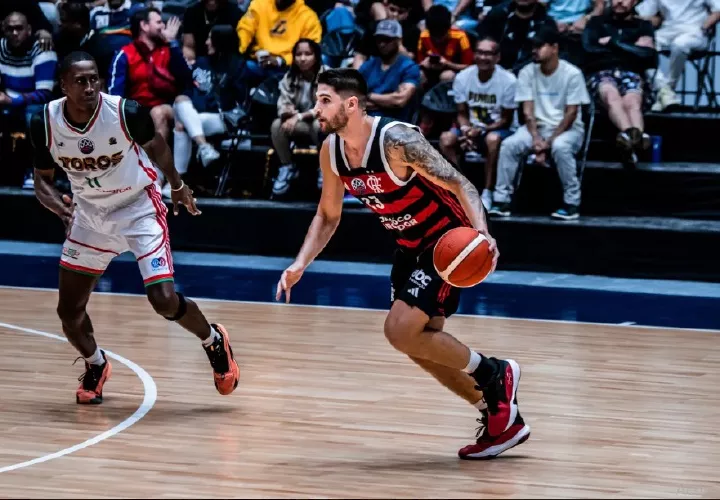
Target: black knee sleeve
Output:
[(182, 308)]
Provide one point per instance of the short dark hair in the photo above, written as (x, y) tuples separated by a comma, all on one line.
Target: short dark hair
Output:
[(487, 38), (438, 20), (76, 12), (403, 4), (72, 58), (141, 16), (347, 81)]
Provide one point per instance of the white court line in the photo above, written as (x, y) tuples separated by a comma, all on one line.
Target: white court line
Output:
[(272, 302), (149, 398)]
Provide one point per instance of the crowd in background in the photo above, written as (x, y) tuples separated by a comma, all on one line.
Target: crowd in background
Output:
[(520, 72)]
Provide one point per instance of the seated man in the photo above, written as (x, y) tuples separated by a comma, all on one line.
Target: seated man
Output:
[(571, 16), (268, 32), (443, 51), (27, 76), (394, 10), (511, 23), (683, 27), (551, 92), (392, 78), (485, 98), (620, 49)]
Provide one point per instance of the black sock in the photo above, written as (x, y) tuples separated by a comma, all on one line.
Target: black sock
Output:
[(486, 370)]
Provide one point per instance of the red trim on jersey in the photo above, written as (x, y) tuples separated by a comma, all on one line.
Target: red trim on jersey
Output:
[(82, 269), (160, 211), (148, 170), (441, 223), (444, 292), (123, 125), (48, 131), (449, 200), (400, 205), (90, 246), (414, 243), (89, 124), (160, 277)]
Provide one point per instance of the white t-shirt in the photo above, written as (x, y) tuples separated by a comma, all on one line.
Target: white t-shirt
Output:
[(485, 100), (679, 12), (551, 94)]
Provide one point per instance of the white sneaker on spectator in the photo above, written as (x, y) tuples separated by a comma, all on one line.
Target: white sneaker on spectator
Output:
[(486, 198), (207, 154), (29, 182), (286, 174), (666, 97)]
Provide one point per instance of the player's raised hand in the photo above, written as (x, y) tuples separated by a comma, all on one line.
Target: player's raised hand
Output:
[(289, 278), (184, 196)]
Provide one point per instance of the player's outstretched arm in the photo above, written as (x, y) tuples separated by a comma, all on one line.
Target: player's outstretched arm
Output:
[(407, 146), (321, 229)]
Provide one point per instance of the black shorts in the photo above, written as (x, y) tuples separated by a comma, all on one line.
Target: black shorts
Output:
[(413, 280)]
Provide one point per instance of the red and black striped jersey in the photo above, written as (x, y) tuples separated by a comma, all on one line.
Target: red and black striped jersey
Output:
[(416, 210)]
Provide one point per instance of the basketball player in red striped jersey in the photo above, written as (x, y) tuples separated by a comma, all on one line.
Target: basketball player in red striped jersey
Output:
[(418, 196), (106, 145)]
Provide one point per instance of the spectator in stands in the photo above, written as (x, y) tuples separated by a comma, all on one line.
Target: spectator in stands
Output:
[(551, 92), (512, 23), (151, 69), (443, 51), (485, 98), (620, 49), (39, 24), (460, 12), (199, 20), (296, 119), (369, 12), (268, 32), (571, 16), (218, 95), (27, 76), (74, 32), (396, 10), (110, 24), (392, 78), (684, 26)]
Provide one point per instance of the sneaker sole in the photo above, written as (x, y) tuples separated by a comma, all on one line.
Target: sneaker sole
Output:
[(494, 451), (565, 217), (501, 214)]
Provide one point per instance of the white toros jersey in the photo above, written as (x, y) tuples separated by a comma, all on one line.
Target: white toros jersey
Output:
[(107, 169)]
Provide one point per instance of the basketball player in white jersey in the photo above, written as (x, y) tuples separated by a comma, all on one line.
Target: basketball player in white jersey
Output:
[(106, 145)]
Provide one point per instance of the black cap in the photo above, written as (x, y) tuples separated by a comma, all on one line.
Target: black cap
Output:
[(545, 34)]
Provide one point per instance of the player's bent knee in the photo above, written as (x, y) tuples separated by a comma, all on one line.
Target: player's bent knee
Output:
[(399, 333), (167, 303), (70, 313)]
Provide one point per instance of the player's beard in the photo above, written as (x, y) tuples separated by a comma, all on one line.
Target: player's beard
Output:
[(337, 123)]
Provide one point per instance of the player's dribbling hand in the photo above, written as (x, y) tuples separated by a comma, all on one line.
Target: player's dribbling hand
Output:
[(492, 247), (289, 278), (184, 197)]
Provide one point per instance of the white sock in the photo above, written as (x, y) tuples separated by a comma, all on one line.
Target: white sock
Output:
[(96, 359), (473, 363), (214, 335), (182, 150), (481, 405)]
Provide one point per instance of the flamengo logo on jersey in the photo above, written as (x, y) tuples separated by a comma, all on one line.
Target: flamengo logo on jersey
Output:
[(374, 183), (420, 278), (398, 223)]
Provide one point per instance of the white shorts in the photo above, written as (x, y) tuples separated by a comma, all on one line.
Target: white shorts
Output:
[(140, 228)]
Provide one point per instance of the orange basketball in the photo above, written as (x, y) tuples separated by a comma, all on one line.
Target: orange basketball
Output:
[(461, 257)]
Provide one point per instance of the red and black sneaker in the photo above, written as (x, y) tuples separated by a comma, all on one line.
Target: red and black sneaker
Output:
[(92, 382), (500, 395), (488, 447), (226, 372)]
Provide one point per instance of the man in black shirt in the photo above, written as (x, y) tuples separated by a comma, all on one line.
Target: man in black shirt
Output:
[(199, 20), (620, 47), (398, 10)]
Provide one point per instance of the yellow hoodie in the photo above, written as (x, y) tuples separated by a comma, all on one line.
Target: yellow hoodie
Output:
[(266, 28)]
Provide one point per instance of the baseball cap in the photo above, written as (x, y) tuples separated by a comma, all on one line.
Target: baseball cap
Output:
[(389, 28), (545, 34)]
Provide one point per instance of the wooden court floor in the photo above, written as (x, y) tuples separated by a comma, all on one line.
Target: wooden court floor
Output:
[(325, 408)]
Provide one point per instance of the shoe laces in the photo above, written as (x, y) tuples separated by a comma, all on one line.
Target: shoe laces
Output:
[(91, 377), (492, 394), (481, 431)]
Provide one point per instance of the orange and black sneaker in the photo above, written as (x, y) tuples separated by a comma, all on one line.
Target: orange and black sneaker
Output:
[(220, 354), (92, 381)]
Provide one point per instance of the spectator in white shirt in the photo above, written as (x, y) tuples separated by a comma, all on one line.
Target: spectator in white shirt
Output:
[(684, 26), (551, 92), (485, 98)]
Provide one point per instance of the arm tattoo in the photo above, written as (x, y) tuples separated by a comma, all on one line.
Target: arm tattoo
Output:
[(408, 146)]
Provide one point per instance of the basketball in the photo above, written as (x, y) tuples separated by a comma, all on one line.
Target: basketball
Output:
[(461, 257)]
